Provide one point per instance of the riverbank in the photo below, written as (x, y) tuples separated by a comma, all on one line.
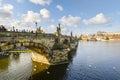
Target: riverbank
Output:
[(100, 40)]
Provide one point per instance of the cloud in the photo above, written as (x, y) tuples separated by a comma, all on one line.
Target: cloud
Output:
[(99, 19), (26, 21), (45, 13), (41, 2), (16, 23), (6, 12), (20, 25), (65, 31), (59, 7), (70, 20), (50, 29), (31, 17), (4, 16), (8, 7)]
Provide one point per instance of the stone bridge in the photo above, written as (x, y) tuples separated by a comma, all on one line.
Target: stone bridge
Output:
[(41, 45)]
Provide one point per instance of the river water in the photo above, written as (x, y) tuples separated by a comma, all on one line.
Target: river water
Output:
[(92, 61)]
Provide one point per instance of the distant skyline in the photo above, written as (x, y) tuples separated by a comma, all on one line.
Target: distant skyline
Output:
[(79, 16)]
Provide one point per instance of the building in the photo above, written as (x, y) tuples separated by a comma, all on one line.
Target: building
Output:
[(114, 35), (110, 35), (101, 33), (84, 37)]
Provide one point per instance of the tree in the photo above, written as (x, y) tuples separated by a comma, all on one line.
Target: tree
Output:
[(107, 38)]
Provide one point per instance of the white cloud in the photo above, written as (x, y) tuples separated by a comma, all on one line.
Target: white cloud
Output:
[(70, 20), (27, 20), (41, 2), (8, 7), (6, 11), (97, 20), (50, 29), (65, 31), (59, 7), (31, 17), (20, 25), (45, 13), (16, 23), (5, 16)]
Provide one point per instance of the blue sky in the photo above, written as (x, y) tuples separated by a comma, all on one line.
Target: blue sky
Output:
[(79, 16)]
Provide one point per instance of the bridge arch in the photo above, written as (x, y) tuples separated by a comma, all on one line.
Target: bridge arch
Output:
[(11, 45)]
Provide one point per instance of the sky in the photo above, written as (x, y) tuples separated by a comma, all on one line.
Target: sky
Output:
[(78, 16)]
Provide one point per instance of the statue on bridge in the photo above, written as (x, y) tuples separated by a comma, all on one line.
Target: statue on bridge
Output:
[(58, 34)]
